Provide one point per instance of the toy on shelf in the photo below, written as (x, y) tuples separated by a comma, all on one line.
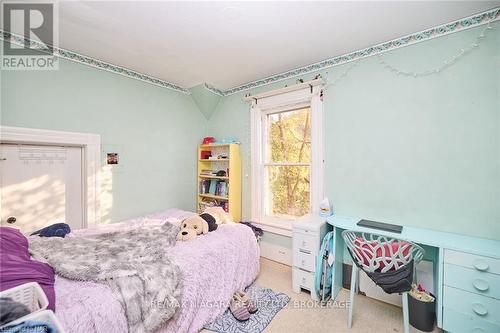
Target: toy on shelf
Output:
[(227, 141), (208, 140), (205, 154)]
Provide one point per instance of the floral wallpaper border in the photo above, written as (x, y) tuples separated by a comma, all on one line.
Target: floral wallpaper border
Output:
[(92, 62), (455, 26), (214, 90)]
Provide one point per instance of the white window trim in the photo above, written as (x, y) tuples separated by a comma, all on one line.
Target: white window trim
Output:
[(286, 101), (91, 145)]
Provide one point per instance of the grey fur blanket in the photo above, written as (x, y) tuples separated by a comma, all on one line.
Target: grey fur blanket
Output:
[(133, 263)]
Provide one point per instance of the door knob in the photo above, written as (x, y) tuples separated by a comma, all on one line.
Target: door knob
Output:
[(11, 219)]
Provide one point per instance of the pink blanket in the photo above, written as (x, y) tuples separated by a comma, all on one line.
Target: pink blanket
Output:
[(214, 267)]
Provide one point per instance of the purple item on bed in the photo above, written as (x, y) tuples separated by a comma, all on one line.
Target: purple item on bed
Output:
[(13, 243), (18, 268)]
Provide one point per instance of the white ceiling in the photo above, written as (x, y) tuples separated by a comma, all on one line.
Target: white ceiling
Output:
[(230, 43)]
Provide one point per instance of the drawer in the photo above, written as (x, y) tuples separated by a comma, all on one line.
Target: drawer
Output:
[(477, 306), (457, 322), (472, 280), (304, 260), (306, 243), (480, 263), (304, 279)]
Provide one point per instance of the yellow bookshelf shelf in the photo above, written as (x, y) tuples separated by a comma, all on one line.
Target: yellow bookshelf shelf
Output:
[(233, 181), (216, 145), (206, 195), (213, 177)]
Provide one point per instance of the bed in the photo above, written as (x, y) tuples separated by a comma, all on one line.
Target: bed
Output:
[(214, 266)]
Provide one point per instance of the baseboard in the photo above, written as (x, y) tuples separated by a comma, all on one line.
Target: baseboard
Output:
[(276, 253)]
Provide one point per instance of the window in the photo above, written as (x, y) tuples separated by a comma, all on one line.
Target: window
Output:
[(287, 163), (287, 157)]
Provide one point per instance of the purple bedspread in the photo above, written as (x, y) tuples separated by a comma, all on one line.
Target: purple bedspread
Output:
[(16, 266), (214, 266)]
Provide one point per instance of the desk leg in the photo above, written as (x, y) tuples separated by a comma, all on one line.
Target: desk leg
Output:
[(337, 272), (439, 290)]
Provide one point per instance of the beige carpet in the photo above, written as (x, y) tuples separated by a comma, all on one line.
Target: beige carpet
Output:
[(302, 315)]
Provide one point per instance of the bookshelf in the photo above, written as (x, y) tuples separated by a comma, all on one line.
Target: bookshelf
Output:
[(224, 189)]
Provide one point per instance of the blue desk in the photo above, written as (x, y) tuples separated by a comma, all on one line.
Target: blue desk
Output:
[(467, 270)]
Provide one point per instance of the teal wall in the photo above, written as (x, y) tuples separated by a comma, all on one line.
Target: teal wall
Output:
[(154, 129), (413, 151)]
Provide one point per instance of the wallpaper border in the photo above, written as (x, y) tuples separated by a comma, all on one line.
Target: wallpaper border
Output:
[(448, 28), (445, 29), (92, 62)]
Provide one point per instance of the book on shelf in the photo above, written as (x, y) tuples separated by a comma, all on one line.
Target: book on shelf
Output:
[(215, 187), (203, 187), (222, 189), (206, 172)]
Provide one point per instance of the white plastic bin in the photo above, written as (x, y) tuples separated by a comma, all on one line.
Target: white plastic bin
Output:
[(29, 294), (33, 297)]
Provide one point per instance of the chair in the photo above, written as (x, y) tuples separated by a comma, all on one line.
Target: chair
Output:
[(380, 254)]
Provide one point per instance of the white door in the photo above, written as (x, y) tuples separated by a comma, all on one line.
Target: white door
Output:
[(40, 186)]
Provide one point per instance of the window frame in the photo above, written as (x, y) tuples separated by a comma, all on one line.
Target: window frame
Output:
[(266, 163), (307, 97)]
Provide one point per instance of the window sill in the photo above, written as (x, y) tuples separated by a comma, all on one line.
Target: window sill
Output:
[(283, 229), (283, 226)]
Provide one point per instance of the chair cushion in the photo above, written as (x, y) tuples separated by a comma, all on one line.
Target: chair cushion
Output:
[(380, 254)]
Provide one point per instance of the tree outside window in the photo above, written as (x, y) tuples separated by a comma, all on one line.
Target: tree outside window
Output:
[(288, 163)]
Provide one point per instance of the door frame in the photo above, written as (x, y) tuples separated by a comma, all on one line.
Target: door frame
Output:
[(91, 147)]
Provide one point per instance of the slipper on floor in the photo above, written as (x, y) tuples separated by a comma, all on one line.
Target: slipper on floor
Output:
[(250, 305), (238, 308)]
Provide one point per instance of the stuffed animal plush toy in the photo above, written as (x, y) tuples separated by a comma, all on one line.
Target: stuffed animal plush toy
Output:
[(202, 224), (192, 227), (212, 224), (219, 214)]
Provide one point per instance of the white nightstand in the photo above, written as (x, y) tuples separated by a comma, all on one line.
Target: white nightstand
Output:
[(307, 237)]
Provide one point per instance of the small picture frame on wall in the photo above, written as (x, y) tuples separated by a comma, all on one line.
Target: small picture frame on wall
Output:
[(112, 158)]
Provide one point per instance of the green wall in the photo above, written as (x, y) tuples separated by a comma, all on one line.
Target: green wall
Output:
[(413, 151), (154, 129)]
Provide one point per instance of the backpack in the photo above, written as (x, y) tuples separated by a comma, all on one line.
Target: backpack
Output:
[(324, 271)]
